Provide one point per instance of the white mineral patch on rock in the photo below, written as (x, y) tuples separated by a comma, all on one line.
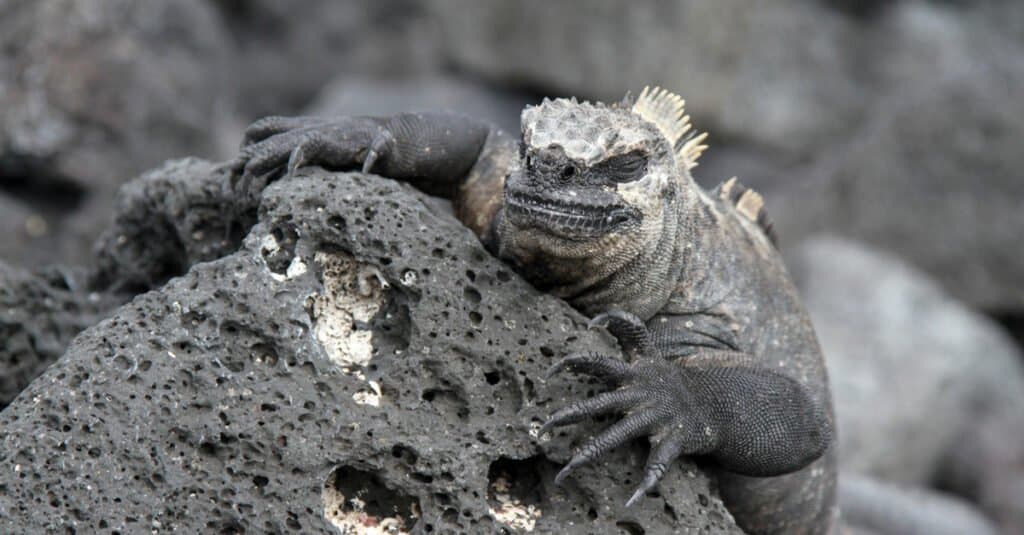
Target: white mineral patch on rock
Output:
[(297, 267), (510, 511), (347, 299), (269, 245), (368, 396)]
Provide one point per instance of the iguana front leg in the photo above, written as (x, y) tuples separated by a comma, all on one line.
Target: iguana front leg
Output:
[(443, 153), (751, 420)]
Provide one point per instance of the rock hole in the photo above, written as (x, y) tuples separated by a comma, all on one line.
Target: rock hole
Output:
[(391, 325), (632, 528), (446, 401), (354, 500), (406, 454), (337, 223), (265, 354), (514, 490), (531, 392), (278, 248), (472, 295)]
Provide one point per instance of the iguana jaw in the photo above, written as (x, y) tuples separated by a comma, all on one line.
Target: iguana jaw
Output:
[(578, 219)]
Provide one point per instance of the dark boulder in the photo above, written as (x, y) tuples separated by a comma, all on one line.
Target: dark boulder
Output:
[(359, 360), (40, 312)]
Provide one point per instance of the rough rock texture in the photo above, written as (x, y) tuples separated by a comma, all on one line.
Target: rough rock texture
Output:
[(352, 95), (92, 93), (284, 382), (168, 219), (40, 312), (910, 366), (289, 50)]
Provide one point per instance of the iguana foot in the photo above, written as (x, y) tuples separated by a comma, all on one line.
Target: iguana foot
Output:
[(288, 143), (657, 404)]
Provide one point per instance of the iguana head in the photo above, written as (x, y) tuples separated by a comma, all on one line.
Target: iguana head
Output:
[(597, 179)]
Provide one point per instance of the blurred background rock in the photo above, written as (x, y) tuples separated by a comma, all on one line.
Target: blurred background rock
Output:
[(894, 127)]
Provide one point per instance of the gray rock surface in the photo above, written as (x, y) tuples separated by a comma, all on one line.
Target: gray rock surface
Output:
[(40, 312), (167, 220), (910, 366), (92, 93), (285, 387)]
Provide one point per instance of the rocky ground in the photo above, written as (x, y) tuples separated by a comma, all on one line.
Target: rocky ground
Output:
[(884, 135)]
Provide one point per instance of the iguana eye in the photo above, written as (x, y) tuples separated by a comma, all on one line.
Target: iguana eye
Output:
[(623, 168)]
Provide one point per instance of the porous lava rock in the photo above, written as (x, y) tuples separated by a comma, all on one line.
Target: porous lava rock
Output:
[(40, 312), (360, 362), (166, 220)]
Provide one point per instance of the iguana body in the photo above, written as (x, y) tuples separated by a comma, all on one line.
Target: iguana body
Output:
[(596, 205)]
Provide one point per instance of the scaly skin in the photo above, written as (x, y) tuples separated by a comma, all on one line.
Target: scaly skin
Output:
[(596, 205)]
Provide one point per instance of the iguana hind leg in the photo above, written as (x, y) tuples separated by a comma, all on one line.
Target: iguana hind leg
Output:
[(753, 421)]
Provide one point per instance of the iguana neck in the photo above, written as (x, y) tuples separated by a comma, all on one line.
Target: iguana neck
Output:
[(640, 282)]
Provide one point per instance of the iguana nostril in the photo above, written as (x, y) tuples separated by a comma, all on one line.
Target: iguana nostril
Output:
[(568, 171)]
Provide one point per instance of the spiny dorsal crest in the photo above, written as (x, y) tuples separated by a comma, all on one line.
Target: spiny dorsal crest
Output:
[(749, 203), (667, 111)]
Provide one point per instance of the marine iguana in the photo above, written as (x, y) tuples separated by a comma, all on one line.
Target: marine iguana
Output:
[(596, 204)]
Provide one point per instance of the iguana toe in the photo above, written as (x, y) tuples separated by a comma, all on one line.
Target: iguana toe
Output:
[(627, 328), (598, 405), (592, 364)]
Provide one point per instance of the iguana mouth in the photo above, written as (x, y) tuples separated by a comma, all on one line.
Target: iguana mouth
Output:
[(568, 219)]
